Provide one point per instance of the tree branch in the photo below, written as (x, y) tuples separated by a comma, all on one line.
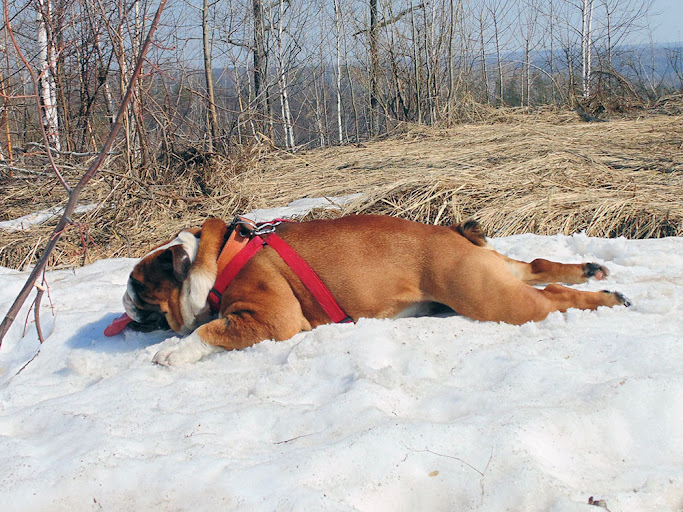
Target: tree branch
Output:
[(394, 19)]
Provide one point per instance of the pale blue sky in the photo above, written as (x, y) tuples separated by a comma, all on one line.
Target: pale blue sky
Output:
[(668, 24)]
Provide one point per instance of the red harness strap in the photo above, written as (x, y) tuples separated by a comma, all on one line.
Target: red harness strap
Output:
[(303, 270), (232, 269), (309, 279)]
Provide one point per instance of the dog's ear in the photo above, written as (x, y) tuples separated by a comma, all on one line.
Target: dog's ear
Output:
[(176, 260), (181, 262)]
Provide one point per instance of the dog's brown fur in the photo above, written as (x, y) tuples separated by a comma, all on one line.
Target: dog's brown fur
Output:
[(375, 266)]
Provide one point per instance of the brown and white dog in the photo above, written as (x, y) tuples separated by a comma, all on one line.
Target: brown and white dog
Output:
[(375, 266)]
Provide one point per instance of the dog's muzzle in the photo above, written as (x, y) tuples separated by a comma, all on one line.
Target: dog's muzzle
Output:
[(145, 317)]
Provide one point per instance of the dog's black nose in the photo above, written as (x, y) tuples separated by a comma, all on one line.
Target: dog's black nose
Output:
[(150, 321)]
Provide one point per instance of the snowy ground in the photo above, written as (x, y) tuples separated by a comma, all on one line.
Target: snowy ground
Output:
[(438, 414)]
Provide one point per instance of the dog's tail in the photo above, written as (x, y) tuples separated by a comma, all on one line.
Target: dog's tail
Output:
[(473, 231)]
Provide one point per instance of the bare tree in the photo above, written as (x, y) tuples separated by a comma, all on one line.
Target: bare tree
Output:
[(47, 71), (374, 69), (337, 71), (208, 75), (373, 62), (528, 23), (586, 45), (261, 92)]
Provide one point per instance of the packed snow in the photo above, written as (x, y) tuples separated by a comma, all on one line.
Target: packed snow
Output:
[(432, 413), (25, 222)]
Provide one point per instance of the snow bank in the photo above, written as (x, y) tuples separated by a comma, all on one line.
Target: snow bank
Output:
[(411, 414)]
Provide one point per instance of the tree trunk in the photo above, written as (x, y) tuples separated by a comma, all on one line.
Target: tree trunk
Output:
[(46, 64), (338, 24), (499, 59), (586, 45), (374, 70), (208, 74), (484, 73), (450, 66), (4, 123), (260, 65), (416, 67), (282, 80)]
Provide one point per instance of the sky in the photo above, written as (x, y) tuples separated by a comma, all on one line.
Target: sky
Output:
[(668, 22)]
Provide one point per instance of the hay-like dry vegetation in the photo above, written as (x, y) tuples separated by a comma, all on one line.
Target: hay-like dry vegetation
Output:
[(516, 171)]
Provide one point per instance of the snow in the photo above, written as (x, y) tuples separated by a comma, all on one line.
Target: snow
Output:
[(301, 207), (25, 222), (430, 413)]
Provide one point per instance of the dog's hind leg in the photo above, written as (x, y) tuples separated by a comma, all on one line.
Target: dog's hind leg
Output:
[(482, 287), (541, 271), (520, 303)]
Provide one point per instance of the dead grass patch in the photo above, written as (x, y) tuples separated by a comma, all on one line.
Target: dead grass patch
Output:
[(543, 172)]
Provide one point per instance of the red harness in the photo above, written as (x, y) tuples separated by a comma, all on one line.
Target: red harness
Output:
[(249, 245)]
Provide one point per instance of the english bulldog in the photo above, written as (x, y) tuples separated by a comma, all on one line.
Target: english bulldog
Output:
[(373, 266)]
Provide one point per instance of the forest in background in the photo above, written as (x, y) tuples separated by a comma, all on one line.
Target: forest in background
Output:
[(292, 74)]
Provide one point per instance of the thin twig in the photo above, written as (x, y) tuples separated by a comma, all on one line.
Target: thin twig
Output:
[(28, 362), (64, 153), (427, 450)]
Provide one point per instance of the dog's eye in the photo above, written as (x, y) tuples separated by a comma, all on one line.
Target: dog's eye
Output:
[(137, 285)]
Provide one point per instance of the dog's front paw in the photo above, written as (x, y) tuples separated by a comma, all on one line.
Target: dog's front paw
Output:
[(177, 351)]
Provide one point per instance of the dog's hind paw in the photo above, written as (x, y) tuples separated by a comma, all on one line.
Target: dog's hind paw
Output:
[(619, 298), (595, 270), (177, 351)]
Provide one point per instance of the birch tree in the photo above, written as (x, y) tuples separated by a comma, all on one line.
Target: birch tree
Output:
[(47, 72), (208, 75), (337, 39), (586, 46), (282, 76), (528, 24), (374, 69)]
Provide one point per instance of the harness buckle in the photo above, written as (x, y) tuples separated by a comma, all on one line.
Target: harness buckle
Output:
[(266, 228), (249, 228)]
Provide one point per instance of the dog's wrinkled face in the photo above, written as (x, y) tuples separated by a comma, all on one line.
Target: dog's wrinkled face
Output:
[(154, 297)]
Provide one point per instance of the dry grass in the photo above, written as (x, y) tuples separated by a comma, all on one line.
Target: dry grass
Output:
[(540, 174), (515, 171)]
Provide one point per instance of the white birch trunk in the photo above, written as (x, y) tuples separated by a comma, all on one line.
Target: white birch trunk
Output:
[(499, 59), (586, 25), (416, 66), (124, 75), (338, 23), (484, 72), (46, 80), (282, 83), (589, 48)]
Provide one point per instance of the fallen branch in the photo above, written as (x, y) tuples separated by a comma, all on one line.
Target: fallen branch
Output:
[(76, 191), (36, 311)]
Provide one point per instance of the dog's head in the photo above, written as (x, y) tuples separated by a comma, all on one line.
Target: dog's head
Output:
[(165, 290)]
